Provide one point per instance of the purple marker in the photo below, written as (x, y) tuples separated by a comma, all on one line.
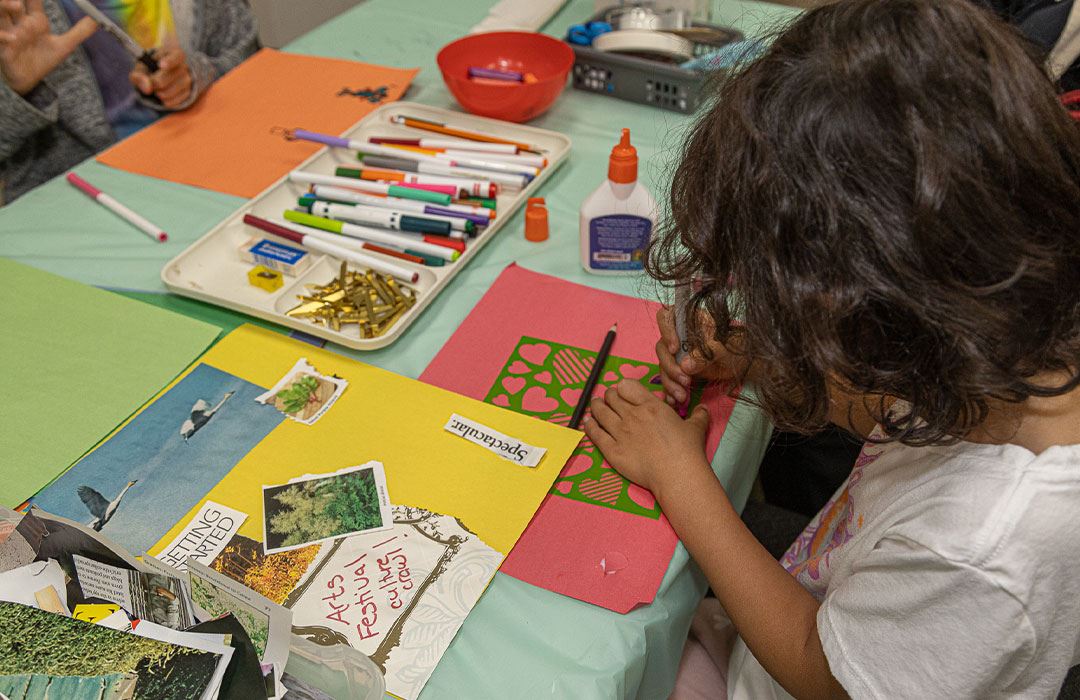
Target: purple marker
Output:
[(478, 219), (496, 74)]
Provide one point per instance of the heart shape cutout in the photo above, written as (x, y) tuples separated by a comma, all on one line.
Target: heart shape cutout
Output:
[(570, 396), (518, 367), (610, 377), (535, 353), (577, 464), (536, 400), (513, 384), (613, 563), (501, 400), (633, 371), (543, 377), (606, 489), (642, 497), (559, 419)]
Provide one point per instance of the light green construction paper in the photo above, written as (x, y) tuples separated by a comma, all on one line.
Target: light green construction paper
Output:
[(77, 362)]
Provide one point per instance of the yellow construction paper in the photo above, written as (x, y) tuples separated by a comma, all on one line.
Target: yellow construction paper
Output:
[(398, 421)]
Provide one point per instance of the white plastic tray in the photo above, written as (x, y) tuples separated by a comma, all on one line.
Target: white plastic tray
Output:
[(211, 270)]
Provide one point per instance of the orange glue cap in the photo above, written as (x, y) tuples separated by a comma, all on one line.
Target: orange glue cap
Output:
[(622, 167), (536, 220)]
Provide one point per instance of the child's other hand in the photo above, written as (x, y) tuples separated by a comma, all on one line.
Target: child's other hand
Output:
[(171, 83), (677, 376), (642, 437), (29, 50)]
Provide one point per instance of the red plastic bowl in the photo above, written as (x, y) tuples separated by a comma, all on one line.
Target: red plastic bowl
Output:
[(549, 59)]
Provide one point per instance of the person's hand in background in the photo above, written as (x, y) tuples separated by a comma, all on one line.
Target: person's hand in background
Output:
[(29, 50), (172, 82)]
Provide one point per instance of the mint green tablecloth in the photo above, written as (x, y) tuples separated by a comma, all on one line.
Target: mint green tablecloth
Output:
[(519, 641)]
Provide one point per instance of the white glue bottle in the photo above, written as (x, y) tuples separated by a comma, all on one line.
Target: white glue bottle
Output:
[(617, 220)]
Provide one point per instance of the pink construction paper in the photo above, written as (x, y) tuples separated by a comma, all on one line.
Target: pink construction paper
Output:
[(599, 555)]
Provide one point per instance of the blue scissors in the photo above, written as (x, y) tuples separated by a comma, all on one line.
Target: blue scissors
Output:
[(583, 34)]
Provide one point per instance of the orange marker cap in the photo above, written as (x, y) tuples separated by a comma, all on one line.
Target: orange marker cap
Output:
[(536, 220), (622, 167)]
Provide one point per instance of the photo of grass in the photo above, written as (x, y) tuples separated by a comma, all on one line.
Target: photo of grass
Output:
[(219, 602), (320, 508), (76, 659)]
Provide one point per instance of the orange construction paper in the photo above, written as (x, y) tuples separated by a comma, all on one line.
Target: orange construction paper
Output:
[(227, 141)]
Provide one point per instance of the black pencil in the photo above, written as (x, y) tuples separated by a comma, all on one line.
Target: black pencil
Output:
[(594, 375)]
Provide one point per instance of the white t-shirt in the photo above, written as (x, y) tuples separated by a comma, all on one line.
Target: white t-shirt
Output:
[(943, 572)]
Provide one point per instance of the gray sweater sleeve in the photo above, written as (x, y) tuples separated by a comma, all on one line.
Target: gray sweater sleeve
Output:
[(227, 35), (24, 116)]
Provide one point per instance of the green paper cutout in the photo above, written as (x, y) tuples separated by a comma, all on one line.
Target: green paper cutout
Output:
[(567, 368)]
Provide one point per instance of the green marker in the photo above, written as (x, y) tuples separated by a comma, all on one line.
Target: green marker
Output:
[(428, 259), (485, 202)]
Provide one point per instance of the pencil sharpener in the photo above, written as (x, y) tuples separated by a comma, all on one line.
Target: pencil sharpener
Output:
[(265, 278)]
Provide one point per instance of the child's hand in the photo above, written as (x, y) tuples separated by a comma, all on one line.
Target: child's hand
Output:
[(28, 49), (642, 437), (171, 83), (677, 376)]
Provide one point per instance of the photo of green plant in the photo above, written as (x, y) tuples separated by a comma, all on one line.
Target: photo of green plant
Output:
[(305, 396), (75, 660), (324, 507), (218, 602)]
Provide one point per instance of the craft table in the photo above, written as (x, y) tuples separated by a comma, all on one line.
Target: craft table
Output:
[(519, 641)]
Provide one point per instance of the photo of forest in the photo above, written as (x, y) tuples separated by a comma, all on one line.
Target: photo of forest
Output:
[(76, 659), (321, 508)]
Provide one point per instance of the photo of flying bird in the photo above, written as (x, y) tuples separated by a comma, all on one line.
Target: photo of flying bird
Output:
[(201, 413), (101, 509)]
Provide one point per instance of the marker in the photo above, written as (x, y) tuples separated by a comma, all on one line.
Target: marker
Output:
[(459, 228), (448, 130), (477, 215), (522, 159), (411, 257), (385, 172), (119, 209), (410, 161), (431, 156), (460, 144), (496, 75), (373, 235), (359, 246), (386, 218), (452, 243), (485, 202), (370, 187), (441, 188), (465, 167), (467, 160), (318, 244), (594, 375)]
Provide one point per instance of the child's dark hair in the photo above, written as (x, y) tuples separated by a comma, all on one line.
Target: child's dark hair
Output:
[(889, 200)]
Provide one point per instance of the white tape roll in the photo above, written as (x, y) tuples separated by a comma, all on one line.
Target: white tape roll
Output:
[(646, 43)]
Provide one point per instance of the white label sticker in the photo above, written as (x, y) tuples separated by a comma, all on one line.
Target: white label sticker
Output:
[(204, 537), (503, 445)]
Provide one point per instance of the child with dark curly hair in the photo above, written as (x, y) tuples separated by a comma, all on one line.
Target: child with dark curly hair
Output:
[(881, 220)]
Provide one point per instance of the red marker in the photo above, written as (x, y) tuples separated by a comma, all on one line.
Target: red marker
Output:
[(117, 208)]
